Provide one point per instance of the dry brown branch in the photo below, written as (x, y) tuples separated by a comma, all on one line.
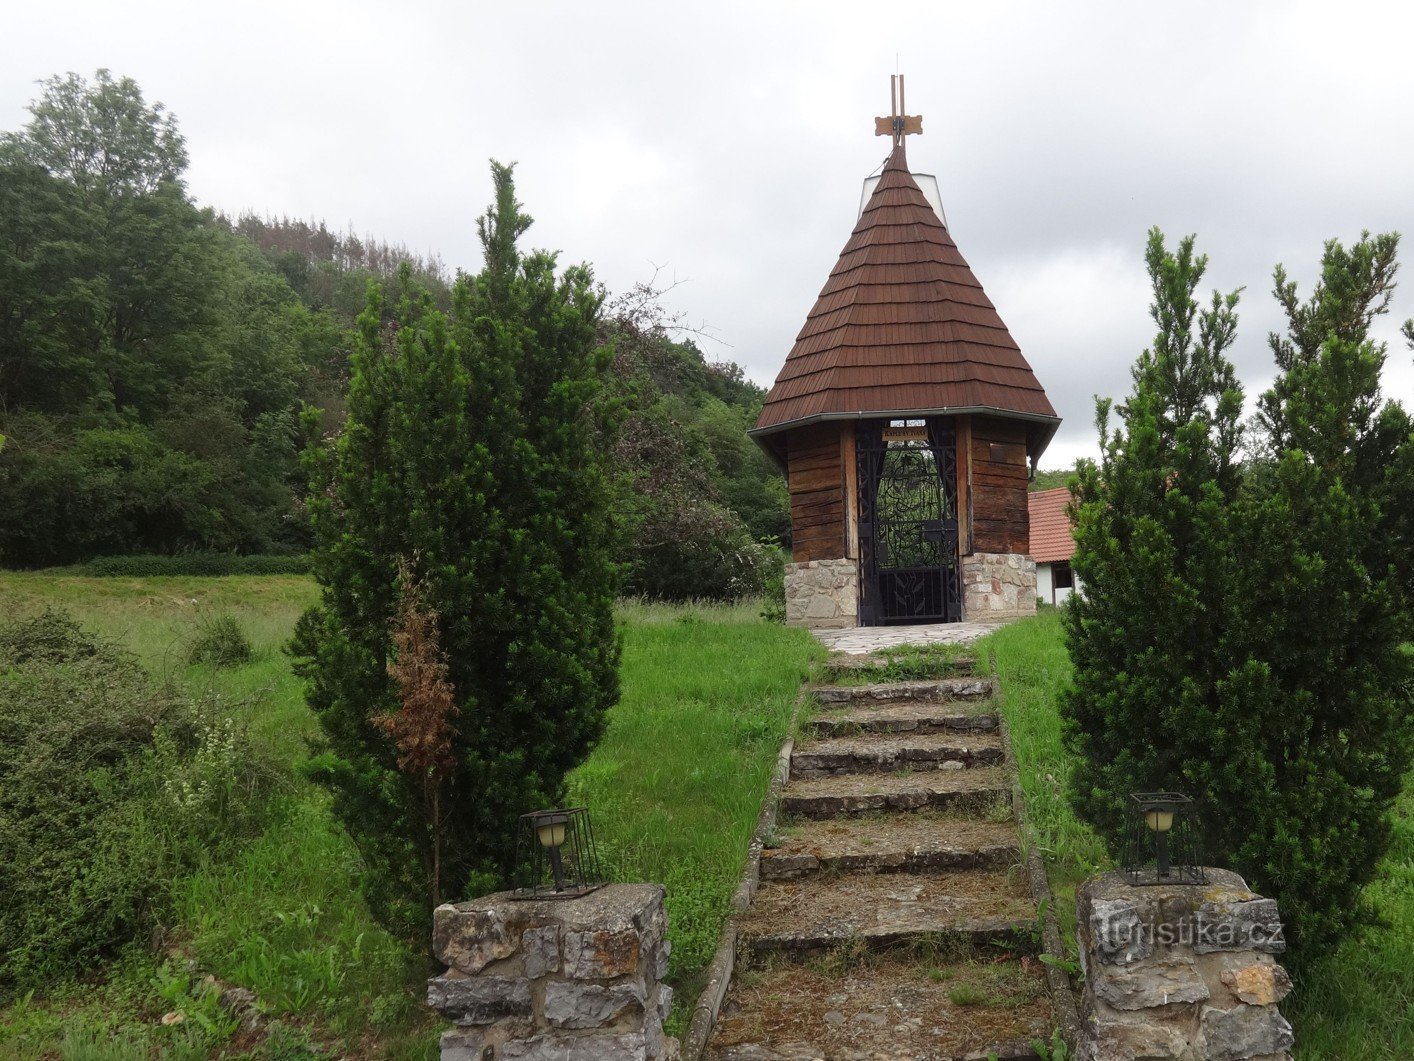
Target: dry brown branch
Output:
[(422, 726)]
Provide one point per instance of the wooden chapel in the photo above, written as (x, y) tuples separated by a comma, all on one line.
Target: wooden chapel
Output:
[(907, 422)]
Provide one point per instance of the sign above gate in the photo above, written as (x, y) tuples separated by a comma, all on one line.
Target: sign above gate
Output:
[(917, 433)]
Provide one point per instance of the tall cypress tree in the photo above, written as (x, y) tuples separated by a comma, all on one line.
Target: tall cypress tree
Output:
[(473, 455), (1152, 550), (1240, 637), (1326, 601)]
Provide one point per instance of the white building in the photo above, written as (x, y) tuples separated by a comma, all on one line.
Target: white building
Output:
[(1052, 544)]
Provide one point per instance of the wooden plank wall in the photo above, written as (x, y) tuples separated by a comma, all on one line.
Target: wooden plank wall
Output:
[(815, 479), (998, 491)]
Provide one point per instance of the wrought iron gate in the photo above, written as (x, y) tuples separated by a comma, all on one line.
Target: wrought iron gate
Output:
[(908, 556)]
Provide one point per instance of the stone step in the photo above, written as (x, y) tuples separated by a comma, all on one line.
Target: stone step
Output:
[(903, 843), (1015, 1050), (976, 791), (875, 753), (846, 665), (884, 1008), (934, 690), (963, 912), (912, 717)]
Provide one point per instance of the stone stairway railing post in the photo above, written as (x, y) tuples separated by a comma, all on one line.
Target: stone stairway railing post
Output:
[(564, 979), (1182, 971)]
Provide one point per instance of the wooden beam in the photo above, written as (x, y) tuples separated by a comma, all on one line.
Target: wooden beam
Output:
[(912, 124), (851, 490), (964, 484)]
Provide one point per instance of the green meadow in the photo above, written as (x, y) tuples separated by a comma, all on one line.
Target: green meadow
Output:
[(674, 788)]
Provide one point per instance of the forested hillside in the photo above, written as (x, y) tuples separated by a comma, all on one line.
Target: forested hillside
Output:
[(155, 355)]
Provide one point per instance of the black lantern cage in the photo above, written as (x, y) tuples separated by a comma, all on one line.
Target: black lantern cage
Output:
[(1164, 842), (556, 856)]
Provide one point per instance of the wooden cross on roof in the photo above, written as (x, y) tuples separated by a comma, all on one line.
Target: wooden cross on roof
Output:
[(898, 124)]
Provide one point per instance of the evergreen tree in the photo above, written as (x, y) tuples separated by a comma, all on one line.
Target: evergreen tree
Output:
[(1153, 551), (1240, 638), (1325, 595), (473, 454)]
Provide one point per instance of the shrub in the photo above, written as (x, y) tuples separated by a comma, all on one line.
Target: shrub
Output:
[(109, 788), (221, 642), (50, 637), (195, 564), (773, 585)]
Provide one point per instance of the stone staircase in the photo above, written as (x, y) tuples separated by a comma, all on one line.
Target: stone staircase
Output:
[(893, 917)]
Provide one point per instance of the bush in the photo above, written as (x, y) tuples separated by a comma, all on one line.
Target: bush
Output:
[(221, 642), (725, 566), (773, 587), (194, 564), (110, 787)]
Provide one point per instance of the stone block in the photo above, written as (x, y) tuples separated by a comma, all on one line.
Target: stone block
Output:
[(1253, 925), (541, 948), (482, 1044), (1145, 985), (602, 954), (472, 935), (1244, 1032), (631, 1047), (571, 1004), (1258, 985), (1116, 933), (1128, 1040), (471, 939), (478, 999)]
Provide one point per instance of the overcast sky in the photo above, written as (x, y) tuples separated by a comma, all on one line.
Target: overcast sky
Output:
[(727, 144)]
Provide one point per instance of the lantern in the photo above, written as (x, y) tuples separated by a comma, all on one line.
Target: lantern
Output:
[(556, 856), (1163, 845)]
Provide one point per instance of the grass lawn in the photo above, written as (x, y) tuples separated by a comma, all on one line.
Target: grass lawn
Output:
[(674, 788), (1356, 1004)]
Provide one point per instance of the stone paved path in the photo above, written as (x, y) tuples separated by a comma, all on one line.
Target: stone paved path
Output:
[(863, 639), (893, 918)]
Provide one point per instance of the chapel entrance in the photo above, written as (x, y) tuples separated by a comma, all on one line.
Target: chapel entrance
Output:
[(908, 551)]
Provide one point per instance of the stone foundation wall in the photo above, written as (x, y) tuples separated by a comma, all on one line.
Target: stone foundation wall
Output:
[(998, 586), (555, 979), (1181, 971), (823, 594)]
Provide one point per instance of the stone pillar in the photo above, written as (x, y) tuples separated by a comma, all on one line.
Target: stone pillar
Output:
[(998, 586), (1181, 971), (823, 594), (563, 979)]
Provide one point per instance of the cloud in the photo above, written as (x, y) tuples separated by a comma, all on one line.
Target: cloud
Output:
[(728, 141)]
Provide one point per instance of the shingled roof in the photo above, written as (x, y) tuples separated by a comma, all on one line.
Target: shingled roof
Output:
[(903, 328), (1052, 538)]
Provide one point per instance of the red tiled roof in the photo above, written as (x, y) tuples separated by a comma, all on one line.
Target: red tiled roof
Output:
[(902, 326), (1051, 538)]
